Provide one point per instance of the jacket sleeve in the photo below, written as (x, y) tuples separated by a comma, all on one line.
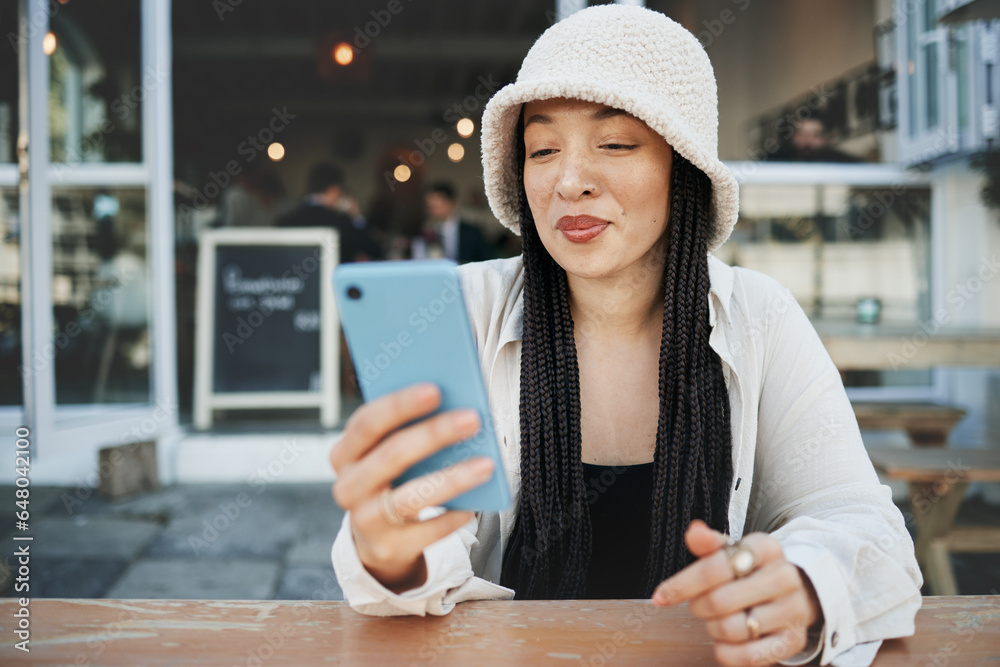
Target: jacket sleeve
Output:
[(450, 579), (816, 491)]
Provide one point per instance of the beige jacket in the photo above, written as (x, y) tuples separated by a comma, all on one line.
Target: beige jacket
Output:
[(800, 470)]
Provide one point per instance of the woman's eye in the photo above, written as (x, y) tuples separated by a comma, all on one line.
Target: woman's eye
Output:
[(624, 147), (542, 152)]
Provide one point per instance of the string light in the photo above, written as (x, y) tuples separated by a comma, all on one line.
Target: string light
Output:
[(456, 152), (49, 43), (401, 173), (465, 127), (276, 151), (343, 54)]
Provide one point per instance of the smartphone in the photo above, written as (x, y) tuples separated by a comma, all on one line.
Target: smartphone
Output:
[(405, 323)]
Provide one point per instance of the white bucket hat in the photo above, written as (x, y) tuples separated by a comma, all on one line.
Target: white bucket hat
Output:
[(629, 58)]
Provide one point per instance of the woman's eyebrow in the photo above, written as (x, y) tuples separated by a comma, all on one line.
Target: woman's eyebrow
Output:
[(538, 118), (602, 114), (609, 112)]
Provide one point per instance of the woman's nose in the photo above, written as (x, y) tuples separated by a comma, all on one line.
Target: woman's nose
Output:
[(576, 177)]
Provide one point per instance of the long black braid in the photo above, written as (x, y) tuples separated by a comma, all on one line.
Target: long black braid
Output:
[(692, 469)]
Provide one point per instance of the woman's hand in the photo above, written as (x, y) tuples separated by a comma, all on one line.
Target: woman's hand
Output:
[(776, 597), (389, 538)]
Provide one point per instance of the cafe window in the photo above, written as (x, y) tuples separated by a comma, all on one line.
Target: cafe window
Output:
[(86, 340), (947, 83), (854, 252), (100, 295), (10, 297), (96, 88)]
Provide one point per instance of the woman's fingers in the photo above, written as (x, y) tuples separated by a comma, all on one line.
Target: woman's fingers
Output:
[(396, 453), (375, 420), (378, 445), (430, 531), (401, 546), (774, 580), (441, 486), (774, 616), (776, 596), (767, 650), (395, 559), (709, 572), (702, 540)]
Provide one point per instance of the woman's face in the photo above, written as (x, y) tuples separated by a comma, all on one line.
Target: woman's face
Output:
[(598, 184)]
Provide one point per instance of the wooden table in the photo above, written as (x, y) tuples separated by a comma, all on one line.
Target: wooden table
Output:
[(951, 630), (938, 479), (855, 346), (927, 424)]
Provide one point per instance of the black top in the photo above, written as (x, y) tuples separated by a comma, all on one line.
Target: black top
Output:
[(619, 499)]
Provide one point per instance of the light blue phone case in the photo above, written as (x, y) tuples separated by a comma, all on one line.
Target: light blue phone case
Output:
[(405, 324)]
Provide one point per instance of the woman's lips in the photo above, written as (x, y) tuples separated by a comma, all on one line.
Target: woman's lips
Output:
[(580, 228)]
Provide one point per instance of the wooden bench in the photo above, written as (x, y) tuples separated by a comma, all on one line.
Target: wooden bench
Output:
[(927, 424), (938, 479)]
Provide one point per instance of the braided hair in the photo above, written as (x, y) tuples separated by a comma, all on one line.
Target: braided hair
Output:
[(692, 467)]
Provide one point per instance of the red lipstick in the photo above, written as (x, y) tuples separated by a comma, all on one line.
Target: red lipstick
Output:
[(581, 228)]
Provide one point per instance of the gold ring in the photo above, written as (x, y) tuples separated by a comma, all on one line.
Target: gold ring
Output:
[(389, 511), (741, 559), (753, 625)]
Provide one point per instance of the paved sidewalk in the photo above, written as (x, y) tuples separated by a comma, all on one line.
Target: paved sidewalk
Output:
[(234, 541), (196, 541)]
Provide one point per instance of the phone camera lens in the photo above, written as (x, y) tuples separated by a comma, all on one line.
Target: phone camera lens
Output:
[(353, 292)]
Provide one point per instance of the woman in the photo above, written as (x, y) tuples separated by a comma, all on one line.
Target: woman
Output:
[(650, 401)]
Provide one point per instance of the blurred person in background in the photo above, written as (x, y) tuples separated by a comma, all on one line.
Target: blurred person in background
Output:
[(811, 143), (322, 207), (447, 235), (256, 199)]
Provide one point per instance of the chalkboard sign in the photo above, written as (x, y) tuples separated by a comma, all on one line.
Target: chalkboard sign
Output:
[(267, 328)]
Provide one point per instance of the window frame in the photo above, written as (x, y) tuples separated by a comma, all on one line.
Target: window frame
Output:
[(74, 432)]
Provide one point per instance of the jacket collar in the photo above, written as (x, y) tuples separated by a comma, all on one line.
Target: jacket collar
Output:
[(720, 277)]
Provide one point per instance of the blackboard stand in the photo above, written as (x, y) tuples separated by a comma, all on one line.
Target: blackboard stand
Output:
[(267, 334)]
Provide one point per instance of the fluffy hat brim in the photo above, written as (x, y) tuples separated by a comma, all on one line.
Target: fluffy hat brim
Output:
[(658, 111)]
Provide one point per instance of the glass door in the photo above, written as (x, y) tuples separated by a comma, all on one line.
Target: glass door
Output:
[(87, 332)]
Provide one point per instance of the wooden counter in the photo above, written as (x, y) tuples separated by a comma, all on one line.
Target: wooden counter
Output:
[(855, 346), (950, 630)]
